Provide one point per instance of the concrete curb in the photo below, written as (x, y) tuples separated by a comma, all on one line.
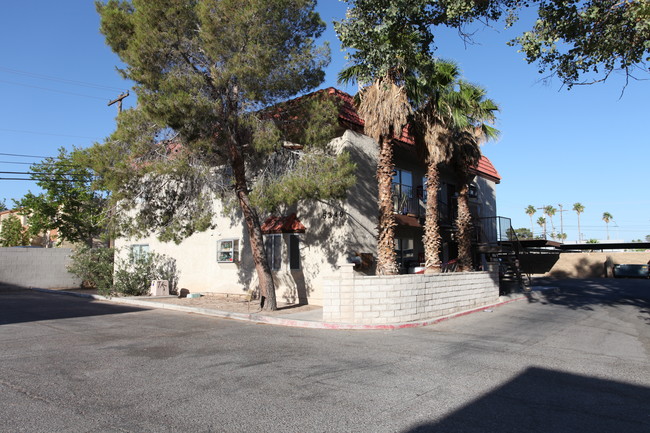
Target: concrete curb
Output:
[(280, 321)]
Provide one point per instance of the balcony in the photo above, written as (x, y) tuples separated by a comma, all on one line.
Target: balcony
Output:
[(412, 201)]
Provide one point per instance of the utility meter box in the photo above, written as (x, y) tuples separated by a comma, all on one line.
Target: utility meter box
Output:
[(159, 288)]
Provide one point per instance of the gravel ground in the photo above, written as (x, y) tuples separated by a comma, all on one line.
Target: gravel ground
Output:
[(234, 304)]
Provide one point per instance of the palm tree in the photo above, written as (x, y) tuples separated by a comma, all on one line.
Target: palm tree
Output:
[(550, 212), (448, 123), (530, 211), (541, 221), (385, 108), (607, 217), (578, 208), (388, 51), (431, 126), (466, 155)]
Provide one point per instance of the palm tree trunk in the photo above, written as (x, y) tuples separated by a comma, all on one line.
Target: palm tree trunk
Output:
[(386, 259), (464, 227), (432, 239), (579, 231), (267, 287)]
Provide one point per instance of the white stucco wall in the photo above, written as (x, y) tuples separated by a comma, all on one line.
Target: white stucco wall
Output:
[(335, 231)]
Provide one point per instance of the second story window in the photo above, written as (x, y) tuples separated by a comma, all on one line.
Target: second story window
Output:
[(403, 179), (403, 193)]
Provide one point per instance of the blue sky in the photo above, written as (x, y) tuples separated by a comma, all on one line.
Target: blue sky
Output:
[(587, 145)]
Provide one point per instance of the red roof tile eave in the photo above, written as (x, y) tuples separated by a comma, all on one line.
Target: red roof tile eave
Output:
[(348, 116)]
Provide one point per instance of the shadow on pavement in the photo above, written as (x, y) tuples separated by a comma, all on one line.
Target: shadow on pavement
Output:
[(20, 305), (541, 400), (584, 294)]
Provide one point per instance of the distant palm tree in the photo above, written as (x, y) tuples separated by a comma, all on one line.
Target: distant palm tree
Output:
[(541, 221), (550, 211), (579, 208), (607, 217), (561, 237), (530, 211)]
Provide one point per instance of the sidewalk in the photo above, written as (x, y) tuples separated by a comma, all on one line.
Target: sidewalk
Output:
[(287, 316)]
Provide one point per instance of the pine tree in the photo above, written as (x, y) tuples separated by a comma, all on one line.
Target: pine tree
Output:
[(204, 73)]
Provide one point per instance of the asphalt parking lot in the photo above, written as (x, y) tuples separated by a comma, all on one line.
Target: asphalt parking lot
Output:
[(575, 358)]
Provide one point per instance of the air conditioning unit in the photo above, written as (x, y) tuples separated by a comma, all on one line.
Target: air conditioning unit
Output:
[(159, 288)]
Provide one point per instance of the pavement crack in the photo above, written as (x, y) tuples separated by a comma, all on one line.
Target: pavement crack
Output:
[(24, 391)]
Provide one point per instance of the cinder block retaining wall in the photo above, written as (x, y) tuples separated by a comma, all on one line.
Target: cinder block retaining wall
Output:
[(351, 298), (37, 267)]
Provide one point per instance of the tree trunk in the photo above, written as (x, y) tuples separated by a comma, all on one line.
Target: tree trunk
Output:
[(432, 239), (267, 287), (386, 260), (464, 227)]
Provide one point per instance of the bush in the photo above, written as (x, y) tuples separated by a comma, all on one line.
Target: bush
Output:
[(133, 275), (95, 268)]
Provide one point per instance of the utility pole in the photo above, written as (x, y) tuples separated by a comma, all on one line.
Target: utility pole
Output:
[(543, 208), (119, 101), (561, 219)]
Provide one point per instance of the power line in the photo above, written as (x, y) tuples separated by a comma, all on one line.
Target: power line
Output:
[(36, 180), (15, 162), (22, 131), (25, 156), (57, 79), (40, 173), (53, 90), (46, 164)]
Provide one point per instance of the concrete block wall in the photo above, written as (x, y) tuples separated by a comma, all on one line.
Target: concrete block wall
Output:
[(352, 298), (37, 267)]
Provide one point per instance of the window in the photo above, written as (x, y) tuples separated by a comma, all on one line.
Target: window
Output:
[(403, 191), (473, 191), (139, 251), (404, 251), (403, 177), (273, 248), (294, 252), (228, 250)]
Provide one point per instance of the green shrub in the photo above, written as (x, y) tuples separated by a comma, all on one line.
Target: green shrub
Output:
[(95, 268), (130, 276), (134, 274)]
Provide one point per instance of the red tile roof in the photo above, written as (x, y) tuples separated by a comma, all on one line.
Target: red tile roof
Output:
[(284, 224), (486, 169), (349, 117)]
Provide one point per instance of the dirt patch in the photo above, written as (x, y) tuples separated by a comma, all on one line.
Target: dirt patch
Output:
[(233, 304)]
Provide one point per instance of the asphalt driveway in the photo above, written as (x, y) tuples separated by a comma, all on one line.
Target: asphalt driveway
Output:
[(573, 359)]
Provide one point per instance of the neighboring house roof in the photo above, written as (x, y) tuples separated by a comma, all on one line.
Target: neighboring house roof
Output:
[(350, 118), (283, 224)]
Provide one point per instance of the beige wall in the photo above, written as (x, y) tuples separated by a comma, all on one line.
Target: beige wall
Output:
[(592, 265), (335, 231)]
